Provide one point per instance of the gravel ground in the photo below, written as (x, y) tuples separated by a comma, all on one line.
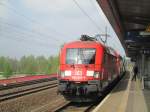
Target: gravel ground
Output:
[(43, 101)]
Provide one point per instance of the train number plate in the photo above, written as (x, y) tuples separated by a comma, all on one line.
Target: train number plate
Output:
[(78, 77)]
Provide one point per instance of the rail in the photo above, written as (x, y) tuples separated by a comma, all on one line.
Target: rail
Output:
[(20, 89), (88, 107)]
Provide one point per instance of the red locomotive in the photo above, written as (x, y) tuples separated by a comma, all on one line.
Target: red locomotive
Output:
[(86, 67)]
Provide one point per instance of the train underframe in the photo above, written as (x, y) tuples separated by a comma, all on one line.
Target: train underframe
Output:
[(80, 92), (85, 91)]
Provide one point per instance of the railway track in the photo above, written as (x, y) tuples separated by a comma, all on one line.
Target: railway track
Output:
[(53, 102), (19, 84), (20, 89), (87, 107), (76, 107)]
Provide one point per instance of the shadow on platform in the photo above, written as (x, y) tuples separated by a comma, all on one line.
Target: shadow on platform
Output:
[(146, 93), (123, 83)]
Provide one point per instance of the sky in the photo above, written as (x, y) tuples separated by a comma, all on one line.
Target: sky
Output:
[(41, 27)]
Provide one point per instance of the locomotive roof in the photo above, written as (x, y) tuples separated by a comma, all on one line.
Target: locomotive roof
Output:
[(111, 51), (89, 44), (83, 43)]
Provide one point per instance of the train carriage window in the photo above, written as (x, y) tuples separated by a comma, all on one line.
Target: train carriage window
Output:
[(80, 56)]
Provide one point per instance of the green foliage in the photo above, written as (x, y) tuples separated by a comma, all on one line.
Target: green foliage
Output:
[(2, 63), (5, 67), (29, 65), (42, 65), (54, 63), (7, 70)]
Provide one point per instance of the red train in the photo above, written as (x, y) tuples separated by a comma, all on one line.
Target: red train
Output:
[(86, 68)]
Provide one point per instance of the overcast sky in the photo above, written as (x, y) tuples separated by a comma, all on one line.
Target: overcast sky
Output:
[(40, 27)]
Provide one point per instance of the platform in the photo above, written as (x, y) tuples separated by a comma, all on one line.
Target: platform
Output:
[(127, 96)]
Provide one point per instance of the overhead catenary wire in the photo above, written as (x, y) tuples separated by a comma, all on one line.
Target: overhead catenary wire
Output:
[(45, 27), (85, 13), (26, 41), (95, 8), (22, 34), (27, 37), (24, 45), (28, 30), (98, 12), (33, 31), (41, 25)]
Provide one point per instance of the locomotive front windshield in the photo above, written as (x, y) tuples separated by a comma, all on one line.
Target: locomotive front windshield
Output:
[(80, 56)]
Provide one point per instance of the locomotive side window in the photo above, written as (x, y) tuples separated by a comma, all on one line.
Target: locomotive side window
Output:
[(80, 56)]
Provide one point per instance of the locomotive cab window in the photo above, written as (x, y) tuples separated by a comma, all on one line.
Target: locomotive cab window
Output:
[(80, 56)]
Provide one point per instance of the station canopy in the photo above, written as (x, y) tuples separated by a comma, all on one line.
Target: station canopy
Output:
[(131, 22)]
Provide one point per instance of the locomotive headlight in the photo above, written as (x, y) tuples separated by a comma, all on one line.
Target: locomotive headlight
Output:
[(96, 74), (67, 73), (90, 73)]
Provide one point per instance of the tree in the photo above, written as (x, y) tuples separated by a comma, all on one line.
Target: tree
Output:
[(29, 65), (14, 65), (41, 64), (2, 62), (7, 70), (54, 63)]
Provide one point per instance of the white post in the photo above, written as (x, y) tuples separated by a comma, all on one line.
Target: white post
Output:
[(143, 73)]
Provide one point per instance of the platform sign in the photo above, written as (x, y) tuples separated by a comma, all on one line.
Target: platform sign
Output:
[(132, 36)]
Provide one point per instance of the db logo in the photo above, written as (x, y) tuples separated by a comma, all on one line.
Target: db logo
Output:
[(78, 72)]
